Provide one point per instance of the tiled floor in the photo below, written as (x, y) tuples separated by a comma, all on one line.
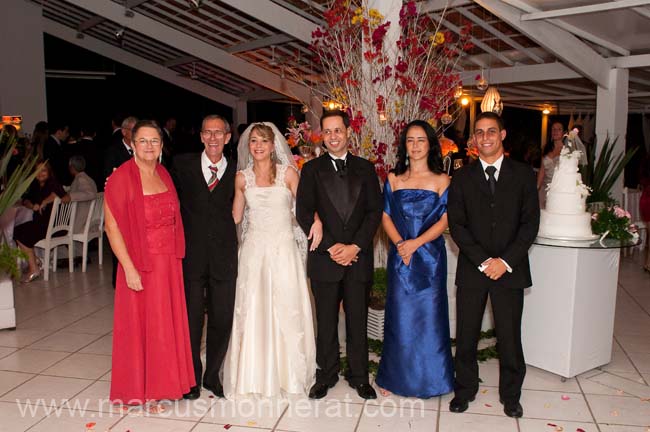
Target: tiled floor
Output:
[(55, 376)]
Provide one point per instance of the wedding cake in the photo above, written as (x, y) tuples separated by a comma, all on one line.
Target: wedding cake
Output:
[(565, 216)]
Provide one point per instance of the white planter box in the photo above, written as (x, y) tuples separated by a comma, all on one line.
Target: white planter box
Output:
[(376, 324), (7, 310)]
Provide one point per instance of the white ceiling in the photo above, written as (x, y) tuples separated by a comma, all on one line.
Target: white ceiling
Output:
[(252, 49)]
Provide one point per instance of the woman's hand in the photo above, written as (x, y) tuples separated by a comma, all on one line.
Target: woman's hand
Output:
[(133, 279), (315, 234), (406, 249), (37, 208)]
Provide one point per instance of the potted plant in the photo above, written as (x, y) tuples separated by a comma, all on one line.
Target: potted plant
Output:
[(377, 304), (12, 187), (600, 174)]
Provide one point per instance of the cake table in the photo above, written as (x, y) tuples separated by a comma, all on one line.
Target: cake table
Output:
[(568, 317)]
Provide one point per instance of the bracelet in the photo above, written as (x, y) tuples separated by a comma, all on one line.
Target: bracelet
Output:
[(399, 242)]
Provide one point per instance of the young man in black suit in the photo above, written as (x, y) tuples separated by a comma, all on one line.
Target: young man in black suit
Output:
[(344, 190), (493, 213), (205, 183)]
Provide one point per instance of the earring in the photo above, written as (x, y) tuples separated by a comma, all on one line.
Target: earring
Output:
[(406, 162)]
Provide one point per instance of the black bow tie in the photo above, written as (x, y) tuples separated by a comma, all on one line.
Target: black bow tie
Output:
[(341, 166)]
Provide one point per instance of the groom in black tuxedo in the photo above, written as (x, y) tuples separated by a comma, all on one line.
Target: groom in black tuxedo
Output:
[(344, 190), (206, 186), (493, 215)]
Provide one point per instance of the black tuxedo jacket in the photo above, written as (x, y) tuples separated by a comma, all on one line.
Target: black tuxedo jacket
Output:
[(210, 233), (504, 225), (116, 154), (351, 220)]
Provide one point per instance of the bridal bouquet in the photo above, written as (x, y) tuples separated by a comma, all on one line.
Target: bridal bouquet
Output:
[(614, 222)]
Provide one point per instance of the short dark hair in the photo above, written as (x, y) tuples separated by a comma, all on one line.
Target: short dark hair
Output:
[(146, 123), (335, 113), (491, 116), (434, 158)]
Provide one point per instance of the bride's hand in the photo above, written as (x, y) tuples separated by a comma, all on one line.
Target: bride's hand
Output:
[(315, 234)]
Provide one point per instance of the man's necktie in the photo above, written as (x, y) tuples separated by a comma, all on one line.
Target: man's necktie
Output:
[(214, 180), (492, 181), (340, 166), (130, 150)]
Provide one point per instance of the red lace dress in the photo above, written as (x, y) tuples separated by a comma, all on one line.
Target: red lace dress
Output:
[(152, 358)]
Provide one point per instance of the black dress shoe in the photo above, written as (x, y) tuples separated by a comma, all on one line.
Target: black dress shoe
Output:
[(194, 393), (218, 392), (513, 409), (319, 390), (365, 391), (459, 405)]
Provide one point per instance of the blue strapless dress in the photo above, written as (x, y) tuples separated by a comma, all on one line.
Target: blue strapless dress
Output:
[(416, 359)]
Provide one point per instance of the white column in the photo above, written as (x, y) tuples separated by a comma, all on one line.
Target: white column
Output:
[(22, 69), (240, 113), (611, 117)]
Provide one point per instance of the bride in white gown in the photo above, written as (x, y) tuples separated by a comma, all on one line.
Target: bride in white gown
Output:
[(272, 349)]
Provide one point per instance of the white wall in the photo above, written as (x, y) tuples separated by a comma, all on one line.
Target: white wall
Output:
[(22, 68)]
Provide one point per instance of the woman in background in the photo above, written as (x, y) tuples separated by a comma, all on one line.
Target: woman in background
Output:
[(550, 158)]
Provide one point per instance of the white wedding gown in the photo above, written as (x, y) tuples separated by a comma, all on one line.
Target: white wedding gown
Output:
[(272, 349)]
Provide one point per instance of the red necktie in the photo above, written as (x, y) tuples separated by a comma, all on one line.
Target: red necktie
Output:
[(214, 180)]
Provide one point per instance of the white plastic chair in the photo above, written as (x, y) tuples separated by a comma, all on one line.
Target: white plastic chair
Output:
[(93, 229), (61, 220), (630, 202)]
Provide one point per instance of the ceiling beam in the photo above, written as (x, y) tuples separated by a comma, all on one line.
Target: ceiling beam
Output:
[(581, 10), (133, 3), (485, 47), (520, 4), (515, 74), (562, 44), (195, 47), (259, 43), (504, 37), (89, 23), (633, 61), (137, 62), (276, 16), (178, 61), (437, 5)]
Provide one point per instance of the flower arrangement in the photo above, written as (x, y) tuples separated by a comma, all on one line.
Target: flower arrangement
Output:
[(614, 222), (386, 75), (447, 146), (300, 161), (300, 134)]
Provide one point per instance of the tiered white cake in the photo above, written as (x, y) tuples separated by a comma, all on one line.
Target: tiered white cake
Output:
[(565, 216)]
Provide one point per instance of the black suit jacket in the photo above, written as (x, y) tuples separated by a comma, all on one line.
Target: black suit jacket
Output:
[(210, 233), (116, 154), (504, 225), (355, 223)]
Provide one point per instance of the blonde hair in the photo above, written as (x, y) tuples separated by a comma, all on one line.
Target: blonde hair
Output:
[(266, 132)]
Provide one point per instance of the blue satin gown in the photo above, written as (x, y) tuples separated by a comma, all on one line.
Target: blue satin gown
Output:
[(416, 360)]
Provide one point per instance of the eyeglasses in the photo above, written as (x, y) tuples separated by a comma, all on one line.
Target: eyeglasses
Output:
[(153, 141), (337, 131), (212, 133)]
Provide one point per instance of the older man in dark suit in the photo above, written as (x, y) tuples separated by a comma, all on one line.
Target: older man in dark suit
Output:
[(205, 183), (493, 215), (344, 190)]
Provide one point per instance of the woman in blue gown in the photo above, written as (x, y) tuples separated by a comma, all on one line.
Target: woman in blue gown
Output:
[(416, 359)]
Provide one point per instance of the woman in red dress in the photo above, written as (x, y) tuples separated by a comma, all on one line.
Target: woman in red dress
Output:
[(152, 358)]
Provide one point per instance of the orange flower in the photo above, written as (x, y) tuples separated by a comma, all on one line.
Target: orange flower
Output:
[(447, 146)]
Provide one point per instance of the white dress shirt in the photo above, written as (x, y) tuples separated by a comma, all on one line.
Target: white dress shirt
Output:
[(497, 165), (206, 164)]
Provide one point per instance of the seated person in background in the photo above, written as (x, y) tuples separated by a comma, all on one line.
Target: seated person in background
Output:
[(82, 189), (39, 198)]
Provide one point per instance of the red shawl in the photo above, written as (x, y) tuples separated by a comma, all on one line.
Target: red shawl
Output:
[(124, 197)]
